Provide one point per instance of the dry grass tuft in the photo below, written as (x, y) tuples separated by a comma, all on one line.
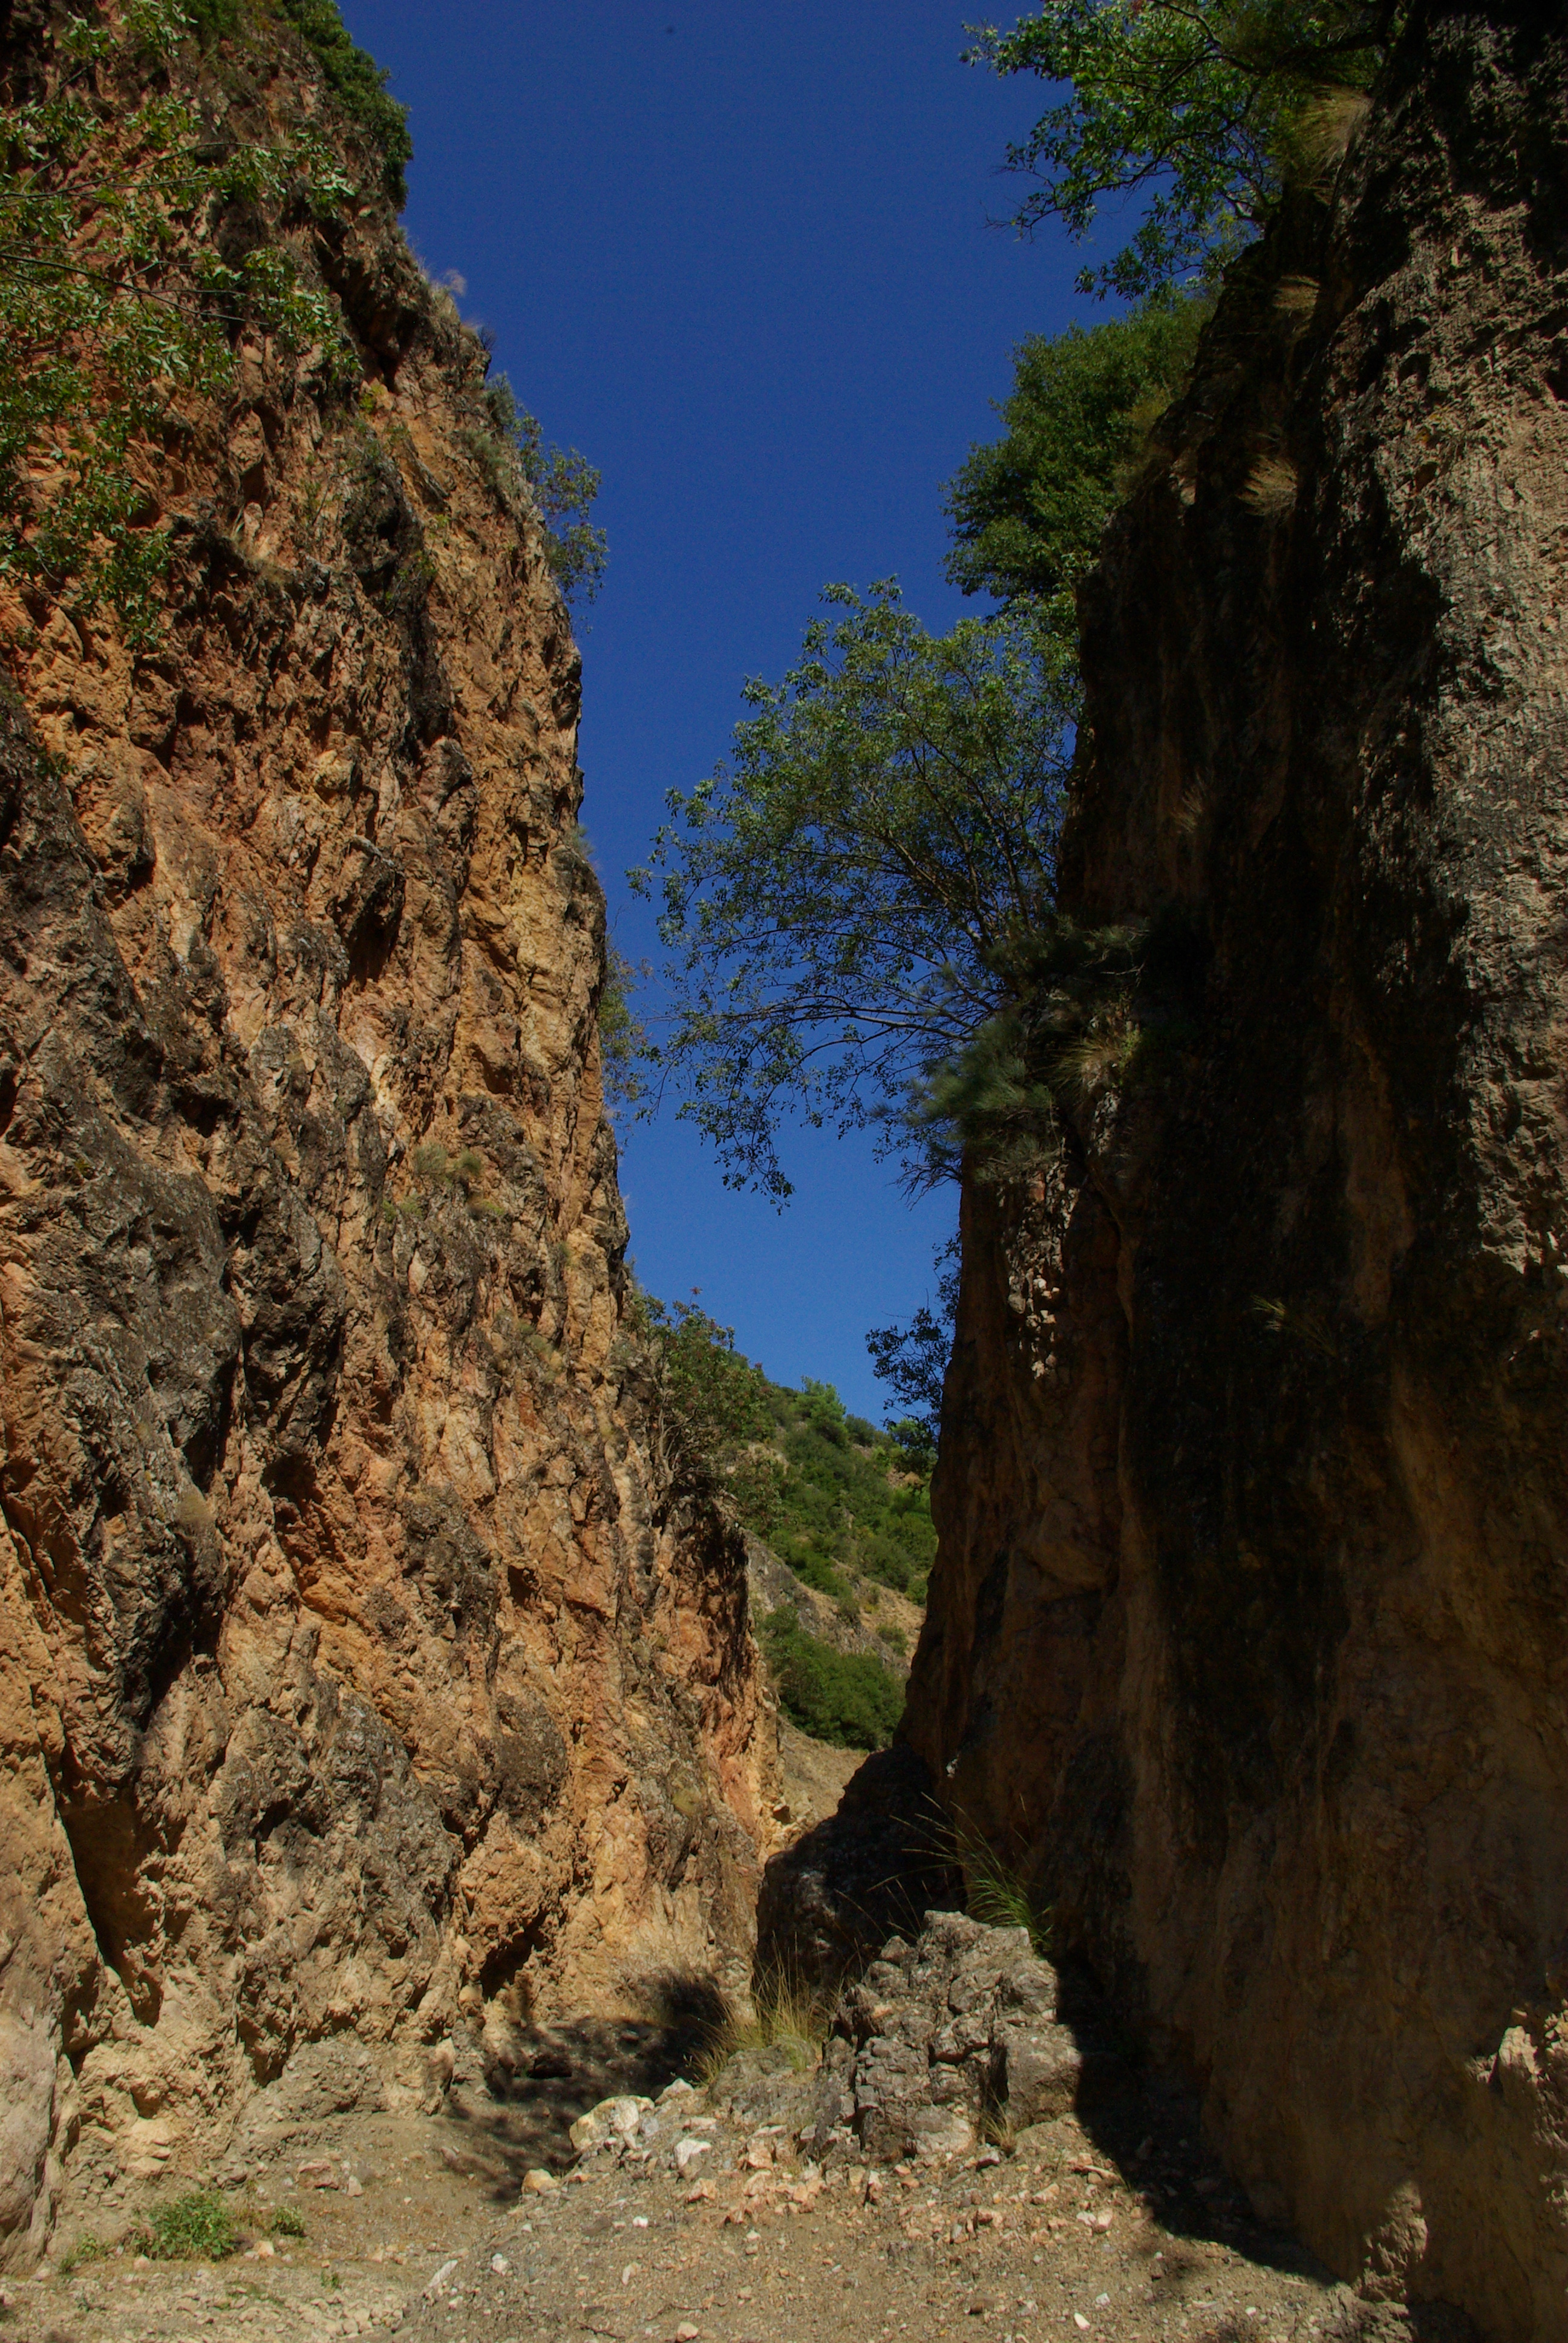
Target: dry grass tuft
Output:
[(1100, 1058), (1296, 296), (787, 2008), (1301, 1326), (1191, 810), (1272, 489), (1327, 127)]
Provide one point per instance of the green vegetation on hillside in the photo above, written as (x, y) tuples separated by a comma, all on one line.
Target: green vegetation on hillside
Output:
[(359, 86), (849, 1501), (835, 1500), (833, 1496), (105, 175), (849, 1698)]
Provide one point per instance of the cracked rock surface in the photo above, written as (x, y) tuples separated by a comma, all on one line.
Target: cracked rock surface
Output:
[(363, 1676)]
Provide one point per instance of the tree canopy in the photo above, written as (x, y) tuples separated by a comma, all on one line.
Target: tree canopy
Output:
[(1028, 509), (848, 904), (1188, 114), (834, 902), (855, 909)]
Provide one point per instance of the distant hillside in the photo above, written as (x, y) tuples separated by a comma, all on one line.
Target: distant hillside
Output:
[(839, 1577), (838, 1514), (853, 1504)]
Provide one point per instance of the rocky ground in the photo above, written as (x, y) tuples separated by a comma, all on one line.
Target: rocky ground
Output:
[(706, 2217)]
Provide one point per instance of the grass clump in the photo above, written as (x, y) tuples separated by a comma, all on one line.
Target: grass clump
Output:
[(849, 1698), (995, 1894), (287, 2222), (785, 2009), (198, 2227), (1272, 488)]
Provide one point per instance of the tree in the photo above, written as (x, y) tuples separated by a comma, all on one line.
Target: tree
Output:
[(912, 1359), (1199, 107), (117, 297), (1028, 509), (835, 902)]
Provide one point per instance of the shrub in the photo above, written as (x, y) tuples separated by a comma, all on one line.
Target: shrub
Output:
[(198, 2226), (287, 2222), (849, 1698), (513, 456)]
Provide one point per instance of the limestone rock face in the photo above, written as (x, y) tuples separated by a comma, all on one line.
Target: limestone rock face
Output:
[(360, 1671), (1247, 1638)]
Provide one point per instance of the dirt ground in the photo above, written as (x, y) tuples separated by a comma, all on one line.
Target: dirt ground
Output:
[(1116, 2225)]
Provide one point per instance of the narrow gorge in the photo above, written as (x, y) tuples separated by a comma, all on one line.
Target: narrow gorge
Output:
[(383, 1693)]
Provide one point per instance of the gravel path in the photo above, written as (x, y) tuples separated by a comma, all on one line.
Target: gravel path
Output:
[(1126, 2231)]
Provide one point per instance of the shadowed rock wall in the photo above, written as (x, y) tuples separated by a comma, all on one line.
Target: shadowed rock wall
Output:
[(360, 1670), (1247, 1635)]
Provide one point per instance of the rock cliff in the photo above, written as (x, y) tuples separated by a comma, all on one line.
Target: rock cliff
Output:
[(360, 1670), (1247, 1634)]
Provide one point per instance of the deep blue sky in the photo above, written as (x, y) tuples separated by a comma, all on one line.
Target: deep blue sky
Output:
[(744, 265)]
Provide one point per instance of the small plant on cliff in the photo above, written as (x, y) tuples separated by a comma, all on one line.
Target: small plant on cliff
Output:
[(286, 2223), (1093, 1007), (997, 1895), (79, 2254), (511, 452), (624, 1047), (116, 302)]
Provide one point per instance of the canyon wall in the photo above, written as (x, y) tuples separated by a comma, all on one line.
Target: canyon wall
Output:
[(361, 1673), (1247, 1637)]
